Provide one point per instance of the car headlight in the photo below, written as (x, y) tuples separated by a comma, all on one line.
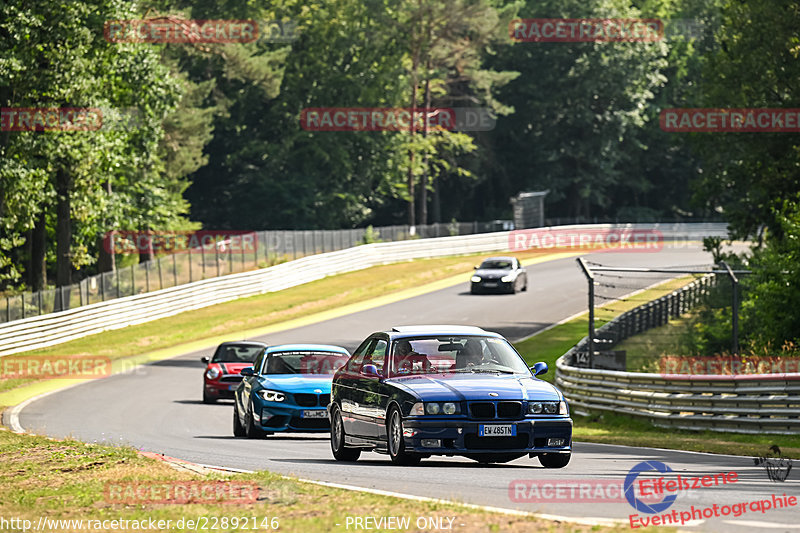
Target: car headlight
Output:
[(435, 408), (547, 408), (213, 373), (272, 395), (507, 279), (476, 279)]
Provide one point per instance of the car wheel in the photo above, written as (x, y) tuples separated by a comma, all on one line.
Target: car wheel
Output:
[(555, 460), (238, 428), (396, 444), (513, 288), (525, 287), (340, 451), (208, 398), (250, 428)]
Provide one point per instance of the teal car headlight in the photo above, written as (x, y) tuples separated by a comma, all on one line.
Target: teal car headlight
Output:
[(271, 395), (435, 408), (507, 279), (476, 279)]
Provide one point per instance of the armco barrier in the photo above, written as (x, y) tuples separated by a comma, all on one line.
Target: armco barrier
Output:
[(55, 328), (755, 403)]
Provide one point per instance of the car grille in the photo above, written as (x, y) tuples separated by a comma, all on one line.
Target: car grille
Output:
[(230, 379), (509, 409), (481, 409), (304, 399), (474, 442), (310, 423), (486, 410)]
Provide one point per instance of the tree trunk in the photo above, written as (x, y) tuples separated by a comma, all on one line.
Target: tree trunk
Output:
[(63, 238), (38, 265), (423, 200), (106, 260)]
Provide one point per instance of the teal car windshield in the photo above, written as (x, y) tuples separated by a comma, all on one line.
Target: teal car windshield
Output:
[(303, 362), (467, 354)]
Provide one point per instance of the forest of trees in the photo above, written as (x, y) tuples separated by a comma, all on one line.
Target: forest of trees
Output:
[(218, 143)]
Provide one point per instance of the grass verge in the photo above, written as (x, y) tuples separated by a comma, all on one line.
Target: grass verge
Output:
[(228, 321), (67, 480)]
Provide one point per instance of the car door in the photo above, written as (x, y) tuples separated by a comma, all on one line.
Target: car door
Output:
[(371, 388), (346, 390)]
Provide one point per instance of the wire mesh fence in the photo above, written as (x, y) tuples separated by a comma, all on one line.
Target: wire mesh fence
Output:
[(203, 262)]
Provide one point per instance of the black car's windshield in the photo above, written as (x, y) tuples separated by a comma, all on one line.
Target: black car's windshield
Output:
[(236, 353), (495, 264), (467, 354), (303, 362)]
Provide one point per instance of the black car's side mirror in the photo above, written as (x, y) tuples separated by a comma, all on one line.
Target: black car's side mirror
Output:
[(248, 371), (539, 368), (371, 371), (476, 267), (205, 359)]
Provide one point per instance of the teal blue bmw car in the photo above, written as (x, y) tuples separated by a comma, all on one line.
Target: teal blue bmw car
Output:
[(287, 389)]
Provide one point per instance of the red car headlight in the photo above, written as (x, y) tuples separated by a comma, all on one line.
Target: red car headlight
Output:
[(213, 373)]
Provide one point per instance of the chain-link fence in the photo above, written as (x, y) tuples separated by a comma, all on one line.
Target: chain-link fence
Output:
[(204, 262)]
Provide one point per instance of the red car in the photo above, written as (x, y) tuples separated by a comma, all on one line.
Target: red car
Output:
[(223, 370)]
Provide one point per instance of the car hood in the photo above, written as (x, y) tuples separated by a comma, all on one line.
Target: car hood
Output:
[(297, 383), (459, 387), (492, 272)]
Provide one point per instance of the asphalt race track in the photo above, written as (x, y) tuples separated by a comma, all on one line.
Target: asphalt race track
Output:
[(158, 408)]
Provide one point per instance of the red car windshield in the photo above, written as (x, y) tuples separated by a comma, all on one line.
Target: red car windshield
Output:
[(304, 362), (236, 353)]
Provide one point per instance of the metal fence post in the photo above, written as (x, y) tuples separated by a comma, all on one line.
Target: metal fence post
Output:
[(133, 281), (174, 270), (590, 280)]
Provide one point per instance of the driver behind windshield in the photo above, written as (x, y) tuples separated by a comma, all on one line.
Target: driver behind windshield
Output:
[(470, 355)]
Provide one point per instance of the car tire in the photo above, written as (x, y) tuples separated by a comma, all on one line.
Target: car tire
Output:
[(555, 460), (250, 429), (525, 287), (395, 442), (340, 451), (513, 288), (208, 398), (238, 428)]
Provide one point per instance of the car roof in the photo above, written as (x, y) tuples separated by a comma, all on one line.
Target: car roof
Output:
[(421, 330), (246, 343), (307, 348), (500, 258)]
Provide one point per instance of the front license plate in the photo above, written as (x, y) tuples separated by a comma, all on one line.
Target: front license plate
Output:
[(232, 387), (497, 430), (490, 284), (316, 413)]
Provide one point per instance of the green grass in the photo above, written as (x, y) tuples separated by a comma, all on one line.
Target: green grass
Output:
[(66, 479)]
